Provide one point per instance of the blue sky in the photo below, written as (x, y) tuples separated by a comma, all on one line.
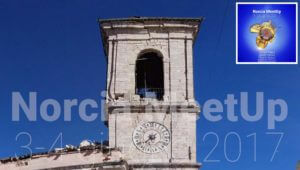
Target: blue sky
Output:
[(53, 47)]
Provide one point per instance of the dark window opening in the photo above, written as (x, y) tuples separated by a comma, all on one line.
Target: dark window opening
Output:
[(149, 76)]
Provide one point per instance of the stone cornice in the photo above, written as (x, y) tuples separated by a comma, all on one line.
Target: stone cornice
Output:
[(152, 108), (112, 27)]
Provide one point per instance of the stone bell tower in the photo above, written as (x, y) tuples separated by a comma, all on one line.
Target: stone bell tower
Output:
[(150, 107)]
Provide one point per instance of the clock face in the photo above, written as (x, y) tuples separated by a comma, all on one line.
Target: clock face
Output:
[(151, 137)]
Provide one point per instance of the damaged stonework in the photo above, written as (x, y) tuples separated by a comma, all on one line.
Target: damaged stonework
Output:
[(93, 156)]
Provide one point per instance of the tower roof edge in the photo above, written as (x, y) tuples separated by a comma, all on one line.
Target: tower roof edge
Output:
[(140, 19), (111, 26)]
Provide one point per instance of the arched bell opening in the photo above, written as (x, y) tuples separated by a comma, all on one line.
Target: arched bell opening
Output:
[(149, 74)]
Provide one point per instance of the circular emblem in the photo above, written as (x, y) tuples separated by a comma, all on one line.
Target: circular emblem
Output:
[(266, 33), (151, 137)]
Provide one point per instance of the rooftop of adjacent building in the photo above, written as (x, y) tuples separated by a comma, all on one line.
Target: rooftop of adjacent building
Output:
[(86, 155)]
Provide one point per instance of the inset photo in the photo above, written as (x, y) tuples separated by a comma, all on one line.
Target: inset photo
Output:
[(267, 33)]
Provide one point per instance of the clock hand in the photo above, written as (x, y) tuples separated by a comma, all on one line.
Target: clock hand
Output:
[(151, 137), (147, 140), (154, 136)]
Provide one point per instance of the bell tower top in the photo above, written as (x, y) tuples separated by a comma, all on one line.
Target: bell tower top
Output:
[(149, 58), (142, 23)]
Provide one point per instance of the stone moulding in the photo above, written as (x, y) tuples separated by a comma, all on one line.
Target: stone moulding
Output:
[(109, 27)]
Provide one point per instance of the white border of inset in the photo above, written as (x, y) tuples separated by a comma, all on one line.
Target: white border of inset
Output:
[(236, 33)]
